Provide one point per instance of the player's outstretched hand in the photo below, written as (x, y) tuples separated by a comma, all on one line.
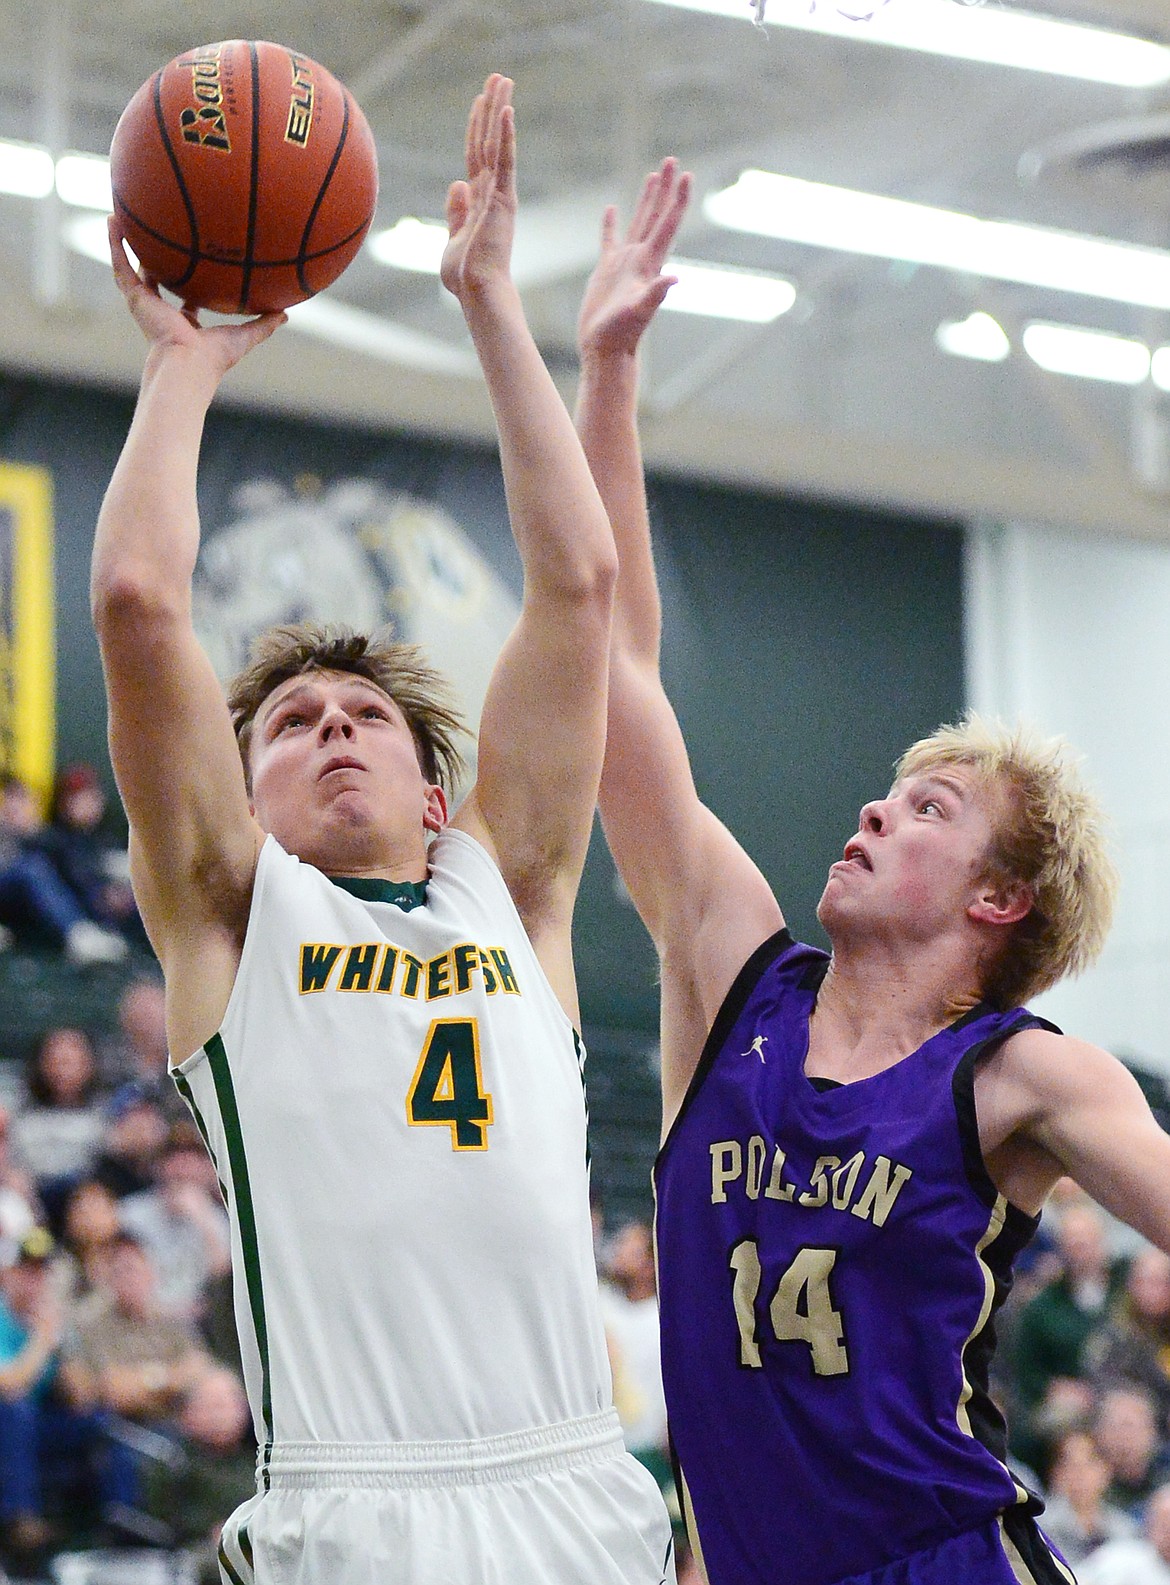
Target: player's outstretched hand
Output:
[(627, 284), (481, 211), (163, 323)]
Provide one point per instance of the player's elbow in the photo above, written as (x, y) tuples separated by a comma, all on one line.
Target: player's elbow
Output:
[(129, 604)]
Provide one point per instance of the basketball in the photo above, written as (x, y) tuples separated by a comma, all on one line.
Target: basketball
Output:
[(244, 175)]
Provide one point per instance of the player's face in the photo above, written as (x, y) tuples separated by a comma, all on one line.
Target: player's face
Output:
[(335, 774), (915, 866)]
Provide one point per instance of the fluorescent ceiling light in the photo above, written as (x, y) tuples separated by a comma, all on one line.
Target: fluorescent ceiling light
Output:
[(727, 293), (989, 34), (84, 180), (1087, 354), (1160, 368), (25, 170), (891, 228), (360, 331), (87, 234), (411, 245), (978, 336)]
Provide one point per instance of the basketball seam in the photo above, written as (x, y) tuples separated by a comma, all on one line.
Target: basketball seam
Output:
[(199, 257), (303, 253), (192, 217), (254, 181)]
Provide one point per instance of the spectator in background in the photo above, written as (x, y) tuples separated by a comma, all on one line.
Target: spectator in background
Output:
[(181, 1223), (47, 1442), (1134, 1343), (124, 1353), (213, 1471), (37, 907), (95, 870), (1126, 1429), (18, 1198), (629, 1309), (89, 1226), (135, 1132), (1143, 1560), (139, 1054), (1077, 1516), (58, 1132), (1053, 1329)]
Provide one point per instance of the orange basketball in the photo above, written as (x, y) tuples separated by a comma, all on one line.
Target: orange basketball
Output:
[(245, 176)]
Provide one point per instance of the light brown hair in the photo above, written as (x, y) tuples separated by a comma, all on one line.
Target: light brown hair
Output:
[(399, 670), (1049, 834)]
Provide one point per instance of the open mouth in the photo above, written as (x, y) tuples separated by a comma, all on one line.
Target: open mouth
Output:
[(856, 855), (341, 764)]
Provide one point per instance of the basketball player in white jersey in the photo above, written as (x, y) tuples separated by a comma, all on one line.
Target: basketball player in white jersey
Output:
[(371, 1007)]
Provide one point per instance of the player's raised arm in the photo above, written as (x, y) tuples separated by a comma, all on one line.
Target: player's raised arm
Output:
[(193, 840), (543, 726), (680, 863)]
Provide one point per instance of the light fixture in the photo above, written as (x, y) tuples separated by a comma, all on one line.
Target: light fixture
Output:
[(721, 293), (892, 228), (1087, 354), (410, 244), (87, 235), (978, 336), (84, 180), (1160, 368), (992, 35), (25, 169)]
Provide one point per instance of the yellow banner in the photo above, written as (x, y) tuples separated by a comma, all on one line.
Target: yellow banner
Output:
[(28, 692)]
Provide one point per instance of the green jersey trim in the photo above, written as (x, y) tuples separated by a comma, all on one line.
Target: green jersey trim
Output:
[(403, 894), (246, 1220)]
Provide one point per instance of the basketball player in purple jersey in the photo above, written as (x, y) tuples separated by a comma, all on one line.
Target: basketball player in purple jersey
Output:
[(855, 1147)]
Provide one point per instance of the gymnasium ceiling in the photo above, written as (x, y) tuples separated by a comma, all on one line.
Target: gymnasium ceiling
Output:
[(847, 396)]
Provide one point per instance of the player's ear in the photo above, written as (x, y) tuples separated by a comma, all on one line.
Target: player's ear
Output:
[(1000, 902), (435, 811)]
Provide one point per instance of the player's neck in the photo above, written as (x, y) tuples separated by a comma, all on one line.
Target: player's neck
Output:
[(875, 1008)]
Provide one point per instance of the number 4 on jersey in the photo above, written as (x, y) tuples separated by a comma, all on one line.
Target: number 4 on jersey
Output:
[(801, 1310), (448, 1084)]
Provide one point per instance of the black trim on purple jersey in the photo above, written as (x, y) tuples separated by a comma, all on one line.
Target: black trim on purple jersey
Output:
[(1025, 1535), (734, 1003), (963, 1090)]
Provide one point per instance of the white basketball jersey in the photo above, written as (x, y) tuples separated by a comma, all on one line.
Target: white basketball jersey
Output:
[(395, 1107)]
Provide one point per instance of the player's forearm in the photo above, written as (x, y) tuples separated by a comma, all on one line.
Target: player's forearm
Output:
[(607, 422), (147, 536), (558, 521)]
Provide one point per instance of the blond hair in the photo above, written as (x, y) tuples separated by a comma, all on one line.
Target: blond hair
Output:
[(1049, 834), (399, 670)]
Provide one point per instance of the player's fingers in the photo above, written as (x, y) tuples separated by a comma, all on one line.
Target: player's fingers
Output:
[(458, 204), (124, 275), (608, 226), (504, 154), (473, 144), (670, 217), (644, 209), (259, 329)]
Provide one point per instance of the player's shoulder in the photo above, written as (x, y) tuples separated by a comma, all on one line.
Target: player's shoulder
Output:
[(1054, 1065)]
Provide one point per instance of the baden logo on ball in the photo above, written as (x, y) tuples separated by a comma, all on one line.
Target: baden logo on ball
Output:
[(245, 176)]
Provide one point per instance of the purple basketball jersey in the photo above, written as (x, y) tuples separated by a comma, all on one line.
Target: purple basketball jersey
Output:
[(831, 1261)]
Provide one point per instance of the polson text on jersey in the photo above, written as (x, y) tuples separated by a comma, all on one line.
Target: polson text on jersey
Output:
[(381, 966), (756, 1169)]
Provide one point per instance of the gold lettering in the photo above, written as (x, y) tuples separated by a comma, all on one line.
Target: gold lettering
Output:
[(756, 1153), (777, 1189), (845, 1181), (817, 1192), (878, 1196), (726, 1167)]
